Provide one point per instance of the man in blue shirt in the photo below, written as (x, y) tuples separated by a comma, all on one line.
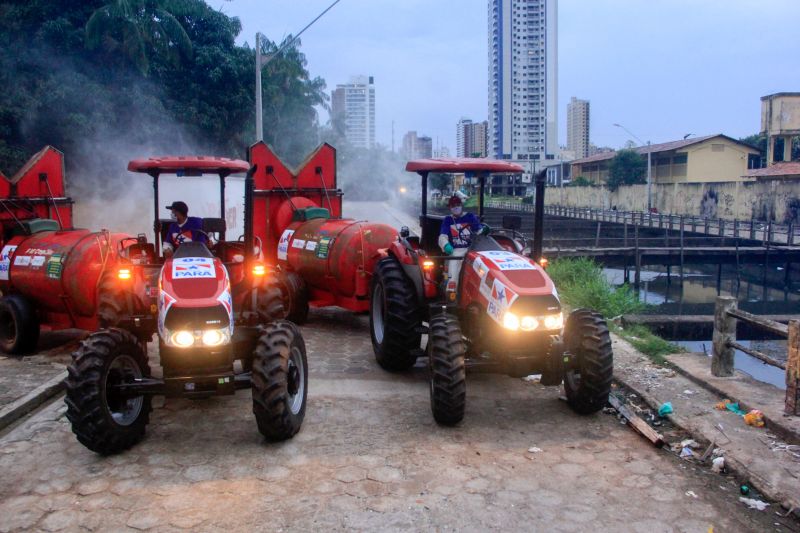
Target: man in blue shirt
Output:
[(457, 227), (183, 229), (455, 236)]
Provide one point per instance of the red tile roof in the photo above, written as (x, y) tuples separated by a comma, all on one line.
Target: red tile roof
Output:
[(656, 148), (789, 168)]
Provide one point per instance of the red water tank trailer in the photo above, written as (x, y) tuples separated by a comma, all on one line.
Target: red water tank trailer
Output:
[(298, 220)]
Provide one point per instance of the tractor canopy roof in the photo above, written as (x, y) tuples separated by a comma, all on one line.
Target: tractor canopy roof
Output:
[(188, 165), (463, 164)]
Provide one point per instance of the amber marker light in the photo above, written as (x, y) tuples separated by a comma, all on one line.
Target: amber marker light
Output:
[(259, 269), (427, 264), (544, 263), (124, 273)]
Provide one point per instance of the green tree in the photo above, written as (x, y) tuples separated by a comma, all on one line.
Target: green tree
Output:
[(627, 167), (140, 30), (580, 181)]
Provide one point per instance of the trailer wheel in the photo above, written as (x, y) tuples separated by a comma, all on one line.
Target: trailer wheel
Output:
[(295, 297), (19, 325), (280, 380), (587, 380), (103, 421), (446, 351), (394, 317)]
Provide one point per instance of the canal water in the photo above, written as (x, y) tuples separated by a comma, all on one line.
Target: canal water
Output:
[(666, 295)]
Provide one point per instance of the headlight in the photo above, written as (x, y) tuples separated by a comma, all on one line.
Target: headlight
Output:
[(529, 323), (215, 337), (182, 339), (510, 321), (554, 321)]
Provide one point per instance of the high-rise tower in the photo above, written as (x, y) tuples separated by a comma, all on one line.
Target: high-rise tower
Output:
[(578, 127), (353, 106), (523, 79)]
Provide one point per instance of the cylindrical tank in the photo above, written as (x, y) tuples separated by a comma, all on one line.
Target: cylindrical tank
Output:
[(53, 267), (334, 255)]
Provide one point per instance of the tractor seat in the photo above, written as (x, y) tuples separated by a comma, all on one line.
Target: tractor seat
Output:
[(192, 249), (214, 225)]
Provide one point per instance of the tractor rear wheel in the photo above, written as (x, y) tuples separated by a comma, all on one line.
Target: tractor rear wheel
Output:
[(104, 421), (19, 325), (280, 380), (111, 301), (269, 304), (394, 317), (587, 380), (446, 351)]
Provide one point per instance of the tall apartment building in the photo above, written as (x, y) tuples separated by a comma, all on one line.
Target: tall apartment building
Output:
[(353, 105), (523, 85), (578, 127), (471, 138), (415, 147)]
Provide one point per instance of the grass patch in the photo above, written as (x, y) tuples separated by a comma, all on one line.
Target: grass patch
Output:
[(581, 283), (647, 342)]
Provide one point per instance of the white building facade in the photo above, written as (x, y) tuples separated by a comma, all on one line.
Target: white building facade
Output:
[(355, 103), (523, 81)]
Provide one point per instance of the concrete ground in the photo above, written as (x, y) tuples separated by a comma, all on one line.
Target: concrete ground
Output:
[(369, 457)]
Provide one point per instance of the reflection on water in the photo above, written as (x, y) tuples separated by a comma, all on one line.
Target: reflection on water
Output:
[(697, 294)]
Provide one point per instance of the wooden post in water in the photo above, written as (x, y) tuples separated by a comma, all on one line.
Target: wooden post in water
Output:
[(681, 253), (625, 232), (724, 332), (597, 236), (637, 275), (793, 369)]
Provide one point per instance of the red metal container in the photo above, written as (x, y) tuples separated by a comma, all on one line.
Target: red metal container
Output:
[(335, 257), (59, 271)]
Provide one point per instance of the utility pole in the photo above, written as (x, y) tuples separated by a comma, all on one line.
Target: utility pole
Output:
[(259, 114)]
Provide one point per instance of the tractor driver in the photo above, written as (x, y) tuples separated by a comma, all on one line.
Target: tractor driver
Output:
[(183, 228), (456, 233)]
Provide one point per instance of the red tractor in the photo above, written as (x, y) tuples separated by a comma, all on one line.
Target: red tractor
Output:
[(502, 314), (213, 306)]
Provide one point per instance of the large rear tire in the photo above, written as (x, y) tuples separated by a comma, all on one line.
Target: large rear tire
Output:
[(394, 317), (587, 380), (19, 325), (269, 304), (280, 381), (446, 351), (104, 422)]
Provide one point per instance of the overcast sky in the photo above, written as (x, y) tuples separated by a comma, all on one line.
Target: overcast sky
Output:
[(663, 69)]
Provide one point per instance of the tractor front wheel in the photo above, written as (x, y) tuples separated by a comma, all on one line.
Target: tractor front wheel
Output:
[(103, 420), (446, 351), (394, 317), (280, 380), (19, 325), (587, 380)]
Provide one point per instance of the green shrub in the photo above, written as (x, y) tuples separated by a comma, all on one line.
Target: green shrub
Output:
[(581, 283), (580, 181)]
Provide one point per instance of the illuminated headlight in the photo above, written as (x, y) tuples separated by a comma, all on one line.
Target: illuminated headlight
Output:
[(510, 321), (554, 321), (182, 339), (529, 323), (215, 337)]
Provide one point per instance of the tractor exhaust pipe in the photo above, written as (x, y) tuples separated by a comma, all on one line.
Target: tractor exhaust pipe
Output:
[(538, 216), (248, 216)]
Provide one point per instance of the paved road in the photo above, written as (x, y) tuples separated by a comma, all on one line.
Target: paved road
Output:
[(368, 457)]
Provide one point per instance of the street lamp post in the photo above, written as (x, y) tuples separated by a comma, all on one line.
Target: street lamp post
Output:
[(649, 166)]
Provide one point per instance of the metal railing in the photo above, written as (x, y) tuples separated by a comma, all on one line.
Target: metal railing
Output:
[(726, 314), (767, 232)]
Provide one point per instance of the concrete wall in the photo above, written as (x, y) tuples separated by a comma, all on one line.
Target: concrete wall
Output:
[(775, 200)]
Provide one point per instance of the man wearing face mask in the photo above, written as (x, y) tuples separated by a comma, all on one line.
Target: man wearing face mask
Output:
[(183, 229), (456, 233)]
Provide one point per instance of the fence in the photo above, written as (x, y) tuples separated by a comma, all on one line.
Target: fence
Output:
[(726, 314), (767, 232)]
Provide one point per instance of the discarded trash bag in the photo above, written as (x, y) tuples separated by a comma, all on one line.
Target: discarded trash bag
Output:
[(754, 504), (665, 409), (734, 408), (717, 465), (721, 406), (754, 418)]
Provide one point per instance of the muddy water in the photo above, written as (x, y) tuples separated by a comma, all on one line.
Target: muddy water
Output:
[(696, 295)]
